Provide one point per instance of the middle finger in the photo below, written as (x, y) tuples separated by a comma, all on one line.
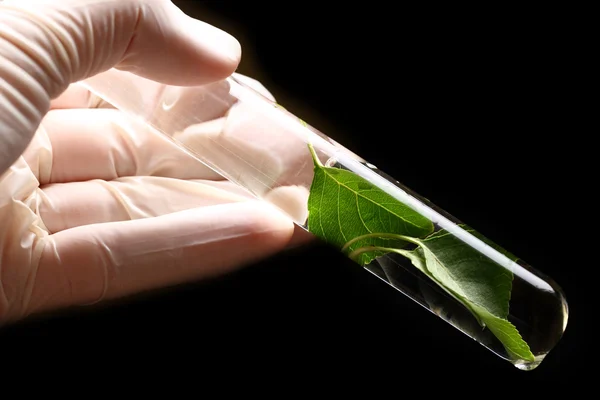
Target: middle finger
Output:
[(88, 144)]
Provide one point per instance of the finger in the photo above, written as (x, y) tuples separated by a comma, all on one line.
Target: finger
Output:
[(258, 152), (89, 144), (180, 107), (254, 84), (69, 205), (50, 44), (85, 144), (105, 261), (169, 109), (77, 96)]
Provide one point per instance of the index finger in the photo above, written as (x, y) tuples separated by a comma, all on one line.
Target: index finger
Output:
[(50, 44)]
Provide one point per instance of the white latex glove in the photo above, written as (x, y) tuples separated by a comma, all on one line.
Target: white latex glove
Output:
[(92, 205)]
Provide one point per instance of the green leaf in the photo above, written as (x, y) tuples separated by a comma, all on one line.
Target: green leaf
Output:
[(466, 272), (343, 206), (482, 285), (507, 334), (352, 214)]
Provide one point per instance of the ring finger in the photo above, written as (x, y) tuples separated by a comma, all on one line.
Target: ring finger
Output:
[(69, 205)]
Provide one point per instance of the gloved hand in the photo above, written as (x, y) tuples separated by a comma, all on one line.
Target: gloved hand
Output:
[(94, 206)]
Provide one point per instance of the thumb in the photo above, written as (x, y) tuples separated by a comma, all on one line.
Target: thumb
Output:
[(45, 45)]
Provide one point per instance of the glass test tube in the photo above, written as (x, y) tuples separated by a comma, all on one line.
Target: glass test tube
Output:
[(425, 253)]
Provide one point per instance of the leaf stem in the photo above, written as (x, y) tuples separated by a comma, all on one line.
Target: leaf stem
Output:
[(313, 153), (354, 255), (382, 236)]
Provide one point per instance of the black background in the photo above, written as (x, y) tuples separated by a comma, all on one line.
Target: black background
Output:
[(482, 109)]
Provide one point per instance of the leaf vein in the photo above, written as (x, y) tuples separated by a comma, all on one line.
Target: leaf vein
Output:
[(339, 217), (366, 198)]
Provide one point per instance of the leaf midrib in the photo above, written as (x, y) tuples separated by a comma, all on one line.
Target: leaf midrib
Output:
[(451, 274), (424, 244)]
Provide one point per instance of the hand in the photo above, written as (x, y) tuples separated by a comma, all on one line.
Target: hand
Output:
[(94, 206)]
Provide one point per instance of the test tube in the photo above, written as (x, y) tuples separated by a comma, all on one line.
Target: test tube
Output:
[(422, 251)]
